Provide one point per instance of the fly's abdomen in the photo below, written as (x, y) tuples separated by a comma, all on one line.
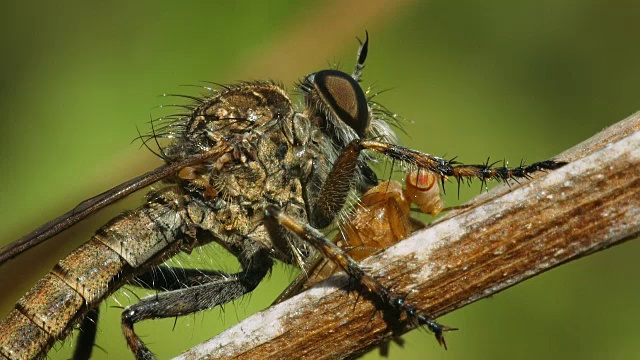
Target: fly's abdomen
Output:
[(83, 279), (46, 313)]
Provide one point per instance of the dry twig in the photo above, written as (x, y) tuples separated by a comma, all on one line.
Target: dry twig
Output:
[(507, 236)]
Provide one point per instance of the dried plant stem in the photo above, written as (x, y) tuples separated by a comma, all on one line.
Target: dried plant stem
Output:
[(505, 237)]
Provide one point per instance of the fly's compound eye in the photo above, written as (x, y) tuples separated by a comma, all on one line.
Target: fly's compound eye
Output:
[(344, 97)]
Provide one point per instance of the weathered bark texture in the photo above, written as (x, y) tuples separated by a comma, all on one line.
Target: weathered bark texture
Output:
[(507, 236)]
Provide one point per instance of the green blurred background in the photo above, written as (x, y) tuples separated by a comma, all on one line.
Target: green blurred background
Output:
[(523, 79)]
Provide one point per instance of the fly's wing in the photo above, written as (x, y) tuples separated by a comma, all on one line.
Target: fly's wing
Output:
[(90, 206)]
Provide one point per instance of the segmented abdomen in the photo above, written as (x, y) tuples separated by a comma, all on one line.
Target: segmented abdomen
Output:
[(126, 245)]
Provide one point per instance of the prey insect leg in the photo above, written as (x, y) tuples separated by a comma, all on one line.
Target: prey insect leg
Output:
[(207, 290), (332, 252)]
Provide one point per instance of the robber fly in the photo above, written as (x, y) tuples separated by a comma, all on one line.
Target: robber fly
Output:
[(246, 169)]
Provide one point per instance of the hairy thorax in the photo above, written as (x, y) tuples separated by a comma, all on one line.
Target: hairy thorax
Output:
[(274, 158)]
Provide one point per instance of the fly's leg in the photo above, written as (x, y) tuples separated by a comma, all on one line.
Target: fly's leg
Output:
[(336, 188), (86, 335), (449, 168), (207, 290), (333, 253), (165, 278), (161, 278)]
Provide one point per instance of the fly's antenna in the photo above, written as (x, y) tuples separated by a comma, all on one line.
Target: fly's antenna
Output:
[(363, 50)]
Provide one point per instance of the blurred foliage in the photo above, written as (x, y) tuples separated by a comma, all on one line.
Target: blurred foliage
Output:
[(514, 80)]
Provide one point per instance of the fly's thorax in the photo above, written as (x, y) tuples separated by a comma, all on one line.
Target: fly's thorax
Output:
[(232, 115), (248, 119), (269, 161)]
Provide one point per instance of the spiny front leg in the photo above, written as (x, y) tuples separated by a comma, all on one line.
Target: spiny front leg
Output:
[(333, 253), (450, 168), (335, 190)]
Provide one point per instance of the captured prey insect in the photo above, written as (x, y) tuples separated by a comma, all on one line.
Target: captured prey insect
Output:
[(244, 169), (381, 218)]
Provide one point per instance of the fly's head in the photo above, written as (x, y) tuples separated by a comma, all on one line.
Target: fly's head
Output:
[(343, 111), (336, 103)]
